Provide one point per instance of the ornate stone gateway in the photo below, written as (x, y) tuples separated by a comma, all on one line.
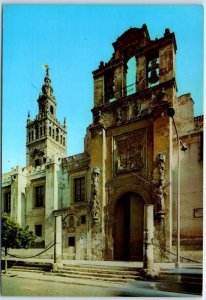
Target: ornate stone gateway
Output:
[(128, 228)]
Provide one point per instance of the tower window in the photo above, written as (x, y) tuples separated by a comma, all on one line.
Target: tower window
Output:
[(51, 109), (109, 85), (60, 139), (44, 130), (201, 147), (40, 131), (131, 76), (43, 108), (153, 70), (29, 136), (57, 134), (79, 189), (7, 202), (38, 230), (53, 133), (39, 196), (49, 130), (64, 141)]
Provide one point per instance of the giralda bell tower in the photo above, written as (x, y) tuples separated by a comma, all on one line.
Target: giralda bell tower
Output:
[(46, 137)]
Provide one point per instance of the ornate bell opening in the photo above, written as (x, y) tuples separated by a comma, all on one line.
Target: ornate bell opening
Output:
[(153, 78), (153, 68)]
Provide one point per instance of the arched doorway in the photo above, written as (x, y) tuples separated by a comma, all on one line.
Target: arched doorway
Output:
[(128, 228)]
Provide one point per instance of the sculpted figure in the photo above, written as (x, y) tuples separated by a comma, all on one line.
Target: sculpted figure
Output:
[(159, 192), (94, 203)]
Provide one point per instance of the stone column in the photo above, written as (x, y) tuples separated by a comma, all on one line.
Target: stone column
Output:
[(58, 239), (148, 256)]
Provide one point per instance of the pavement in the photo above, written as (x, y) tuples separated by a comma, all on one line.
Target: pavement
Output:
[(49, 276)]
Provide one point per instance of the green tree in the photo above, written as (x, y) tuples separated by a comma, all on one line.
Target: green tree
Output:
[(14, 236)]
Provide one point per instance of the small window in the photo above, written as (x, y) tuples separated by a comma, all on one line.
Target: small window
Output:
[(64, 141), (29, 136), (39, 196), (71, 241), (49, 130), (44, 130), (79, 189), (37, 131), (37, 163), (83, 219), (60, 139), (51, 109), (57, 134), (40, 131), (201, 146), (198, 212), (53, 133), (7, 202), (38, 230)]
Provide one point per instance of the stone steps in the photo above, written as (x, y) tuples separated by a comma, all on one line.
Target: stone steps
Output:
[(102, 269), (111, 274), (26, 265)]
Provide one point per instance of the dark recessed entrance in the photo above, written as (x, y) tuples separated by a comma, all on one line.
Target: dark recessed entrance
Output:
[(128, 228)]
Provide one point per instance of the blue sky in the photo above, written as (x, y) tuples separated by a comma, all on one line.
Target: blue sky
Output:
[(72, 40)]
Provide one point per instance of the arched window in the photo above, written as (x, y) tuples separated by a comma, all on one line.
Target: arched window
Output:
[(51, 109), (131, 76)]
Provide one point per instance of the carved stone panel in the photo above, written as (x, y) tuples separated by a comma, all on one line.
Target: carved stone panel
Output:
[(130, 152)]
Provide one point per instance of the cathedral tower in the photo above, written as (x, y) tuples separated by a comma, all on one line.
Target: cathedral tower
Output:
[(46, 137)]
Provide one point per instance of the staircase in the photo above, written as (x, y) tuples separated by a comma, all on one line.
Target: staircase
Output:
[(27, 266), (105, 273)]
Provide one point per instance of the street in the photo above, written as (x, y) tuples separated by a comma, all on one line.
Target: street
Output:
[(14, 286)]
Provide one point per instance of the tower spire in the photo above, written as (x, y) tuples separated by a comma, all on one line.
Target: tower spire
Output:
[(46, 68), (45, 136), (47, 87)]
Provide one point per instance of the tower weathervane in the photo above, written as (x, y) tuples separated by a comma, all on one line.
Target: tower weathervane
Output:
[(46, 68)]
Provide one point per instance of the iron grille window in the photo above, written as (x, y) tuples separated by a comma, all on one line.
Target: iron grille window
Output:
[(83, 219), (7, 202), (38, 230), (71, 241), (39, 196), (79, 189)]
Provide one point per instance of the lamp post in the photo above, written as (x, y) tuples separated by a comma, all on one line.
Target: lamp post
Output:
[(182, 147)]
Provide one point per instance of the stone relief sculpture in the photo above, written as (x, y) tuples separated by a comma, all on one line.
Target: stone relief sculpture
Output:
[(118, 115), (159, 191), (128, 111), (130, 153), (94, 202), (138, 109)]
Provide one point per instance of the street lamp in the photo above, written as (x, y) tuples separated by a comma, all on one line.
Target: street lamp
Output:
[(182, 147)]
